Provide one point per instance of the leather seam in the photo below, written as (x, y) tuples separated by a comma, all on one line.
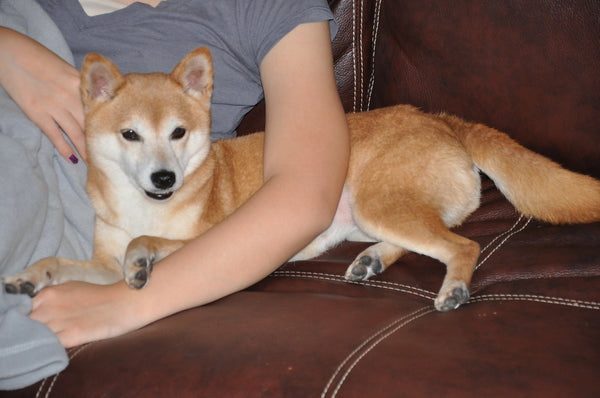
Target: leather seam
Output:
[(507, 235), (567, 302), (374, 36), (371, 283), (354, 55), (361, 25), (368, 345), (51, 386)]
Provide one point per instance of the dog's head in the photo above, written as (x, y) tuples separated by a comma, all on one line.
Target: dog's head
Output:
[(153, 128)]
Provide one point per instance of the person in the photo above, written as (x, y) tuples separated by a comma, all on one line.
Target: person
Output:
[(306, 150)]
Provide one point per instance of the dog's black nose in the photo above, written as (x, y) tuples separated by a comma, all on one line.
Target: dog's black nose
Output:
[(163, 179)]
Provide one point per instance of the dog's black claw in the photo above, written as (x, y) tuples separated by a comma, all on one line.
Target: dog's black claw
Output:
[(459, 296), (28, 288), (11, 289), (449, 304)]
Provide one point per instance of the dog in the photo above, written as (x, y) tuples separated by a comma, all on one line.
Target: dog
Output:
[(156, 181)]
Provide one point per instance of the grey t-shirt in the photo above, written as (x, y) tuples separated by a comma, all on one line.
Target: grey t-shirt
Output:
[(239, 33)]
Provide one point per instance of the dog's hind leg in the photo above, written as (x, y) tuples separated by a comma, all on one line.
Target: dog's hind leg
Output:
[(373, 261), (416, 227), (54, 270), (142, 252)]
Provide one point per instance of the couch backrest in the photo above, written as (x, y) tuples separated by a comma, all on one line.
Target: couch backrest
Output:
[(530, 68)]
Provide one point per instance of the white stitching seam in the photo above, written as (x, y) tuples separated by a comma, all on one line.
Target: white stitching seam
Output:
[(37, 394), (372, 283), (509, 234), (354, 54), (51, 386), (428, 310), (360, 39), (374, 35), (376, 338), (567, 302)]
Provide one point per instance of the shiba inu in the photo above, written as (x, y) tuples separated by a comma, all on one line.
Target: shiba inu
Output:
[(156, 181)]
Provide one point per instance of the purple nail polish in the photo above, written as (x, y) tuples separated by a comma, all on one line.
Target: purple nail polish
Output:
[(73, 159)]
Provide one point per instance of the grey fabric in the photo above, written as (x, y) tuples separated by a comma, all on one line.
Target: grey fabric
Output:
[(44, 211)]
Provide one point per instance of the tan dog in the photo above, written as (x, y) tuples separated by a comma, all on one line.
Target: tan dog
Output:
[(156, 181)]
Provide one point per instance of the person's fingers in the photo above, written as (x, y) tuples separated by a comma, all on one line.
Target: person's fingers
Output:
[(73, 129), (54, 134)]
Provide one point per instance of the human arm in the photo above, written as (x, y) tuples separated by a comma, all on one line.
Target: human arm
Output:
[(306, 155), (45, 87)]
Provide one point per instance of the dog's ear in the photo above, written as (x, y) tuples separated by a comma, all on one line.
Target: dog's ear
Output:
[(100, 79), (195, 74)]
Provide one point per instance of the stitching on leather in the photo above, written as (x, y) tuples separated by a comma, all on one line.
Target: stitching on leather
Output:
[(71, 356), (361, 26), (40, 388), (387, 331), (374, 35), (354, 55), (370, 343), (503, 233), (371, 283), (567, 302), (509, 234)]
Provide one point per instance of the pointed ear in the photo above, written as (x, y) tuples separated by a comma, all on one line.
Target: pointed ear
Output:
[(100, 79), (195, 74)]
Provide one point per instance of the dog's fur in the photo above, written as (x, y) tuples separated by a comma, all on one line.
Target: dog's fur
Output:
[(156, 181)]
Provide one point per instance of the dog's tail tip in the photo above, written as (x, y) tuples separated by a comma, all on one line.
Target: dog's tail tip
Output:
[(535, 185), (561, 197)]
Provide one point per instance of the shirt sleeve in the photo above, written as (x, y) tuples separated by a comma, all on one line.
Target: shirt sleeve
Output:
[(263, 23)]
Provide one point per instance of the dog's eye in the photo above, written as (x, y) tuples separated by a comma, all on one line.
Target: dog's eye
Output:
[(178, 133), (130, 135)]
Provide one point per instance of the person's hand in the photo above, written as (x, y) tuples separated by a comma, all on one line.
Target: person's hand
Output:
[(80, 312), (46, 88)]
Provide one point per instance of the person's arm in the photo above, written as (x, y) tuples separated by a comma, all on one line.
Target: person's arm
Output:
[(45, 87), (306, 156)]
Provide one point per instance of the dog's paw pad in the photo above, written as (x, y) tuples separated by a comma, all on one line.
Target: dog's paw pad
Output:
[(145, 262), (140, 280), (363, 268), (11, 289), (138, 273), (19, 287), (28, 288), (359, 272), (455, 299)]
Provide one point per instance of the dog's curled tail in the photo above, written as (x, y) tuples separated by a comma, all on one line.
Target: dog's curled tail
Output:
[(535, 185)]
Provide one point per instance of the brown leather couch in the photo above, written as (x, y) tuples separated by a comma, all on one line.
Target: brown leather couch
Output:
[(532, 327)]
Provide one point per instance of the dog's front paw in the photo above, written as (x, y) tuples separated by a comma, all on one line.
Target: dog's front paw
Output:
[(16, 285), (33, 279), (138, 266), (452, 297)]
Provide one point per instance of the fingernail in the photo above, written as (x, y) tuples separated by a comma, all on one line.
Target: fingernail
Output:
[(73, 159)]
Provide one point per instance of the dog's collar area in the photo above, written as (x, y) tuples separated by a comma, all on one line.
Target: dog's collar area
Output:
[(159, 196)]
